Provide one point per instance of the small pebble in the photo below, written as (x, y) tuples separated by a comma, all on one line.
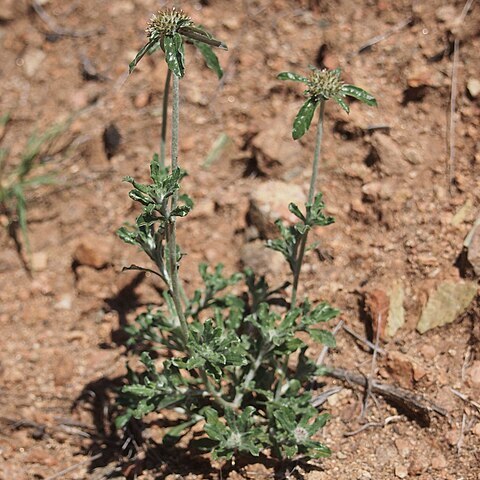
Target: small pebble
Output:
[(439, 462), (401, 471), (473, 87)]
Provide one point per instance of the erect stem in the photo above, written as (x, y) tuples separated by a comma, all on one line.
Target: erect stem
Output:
[(317, 154), (163, 138), (217, 396), (311, 195), (237, 401), (171, 228)]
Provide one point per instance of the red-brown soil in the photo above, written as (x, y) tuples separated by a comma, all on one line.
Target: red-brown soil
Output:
[(397, 218)]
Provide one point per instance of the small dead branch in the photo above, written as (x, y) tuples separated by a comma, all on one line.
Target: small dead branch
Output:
[(452, 122), (379, 38), (465, 398), (388, 420), (462, 434), (453, 99), (414, 406), (74, 467), (41, 430), (365, 341), (56, 29), (319, 400), (466, 362), (368, 390)]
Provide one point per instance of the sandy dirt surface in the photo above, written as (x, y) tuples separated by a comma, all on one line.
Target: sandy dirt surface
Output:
[(403, 206)]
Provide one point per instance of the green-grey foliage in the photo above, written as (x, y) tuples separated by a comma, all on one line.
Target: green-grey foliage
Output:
[(233, 356), (232, 372)]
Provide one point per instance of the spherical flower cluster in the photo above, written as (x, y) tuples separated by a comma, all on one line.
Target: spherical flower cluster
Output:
[(300, 434), (167, 23), (324, 84)]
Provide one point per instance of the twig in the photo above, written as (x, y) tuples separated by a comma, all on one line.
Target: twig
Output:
[(466, 362), (388, 420), (465, 398), (462, 433), (56, 29), (323, 353), (367, 342), (466, 9), (396, 28), (323, 397), (453, 99), (368, 390), (74, 467), (414, 406)]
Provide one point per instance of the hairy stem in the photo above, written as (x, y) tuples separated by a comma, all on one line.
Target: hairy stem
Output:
[(248, 378), (163, 138), (311, 195), (171, 229), (217, 396), (317, 154)]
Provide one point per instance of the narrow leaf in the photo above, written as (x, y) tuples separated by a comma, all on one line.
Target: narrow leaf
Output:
[(210, 58), (141, 53), (302, 121), (201, 36), (122, 420), (296, 211), (155, 168), (292, 76), (141, 269), (342, 103), (173, 46), (177, 432), (359, 94)]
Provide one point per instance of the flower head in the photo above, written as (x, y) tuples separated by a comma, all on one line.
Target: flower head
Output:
[(168, 30), (167, 23), (324, 84)]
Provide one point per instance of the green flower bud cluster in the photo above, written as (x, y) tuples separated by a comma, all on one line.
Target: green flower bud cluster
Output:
[(167, 23), (324, 84)]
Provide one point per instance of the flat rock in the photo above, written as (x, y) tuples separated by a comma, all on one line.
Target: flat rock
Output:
[(274, 149), (92, 251), (401, 471), (385, 154), (446, 304), (396, 312), (401, 369), (263, 260), (385, 309), (473, 374), (473, 87), (269, 202), (439, 462), (473, 252)]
